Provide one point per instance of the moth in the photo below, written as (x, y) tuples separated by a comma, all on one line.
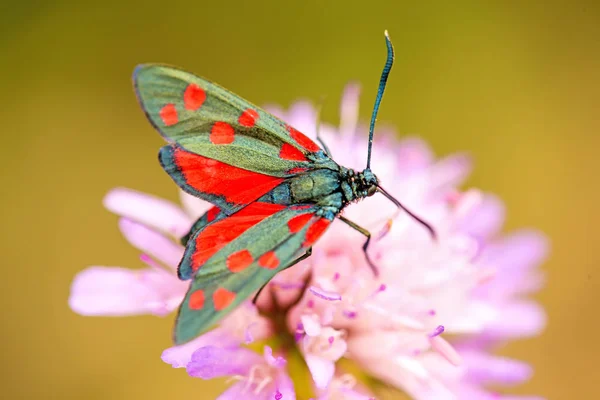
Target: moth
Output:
[(274, 190)]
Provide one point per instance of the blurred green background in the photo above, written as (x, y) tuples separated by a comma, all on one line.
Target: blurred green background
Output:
[(517, 86)]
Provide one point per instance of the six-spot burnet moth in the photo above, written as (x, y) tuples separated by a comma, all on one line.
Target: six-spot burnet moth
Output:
[(274, 190)]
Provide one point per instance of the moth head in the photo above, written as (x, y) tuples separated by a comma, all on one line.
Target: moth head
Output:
[(370, 182), (371, 190)]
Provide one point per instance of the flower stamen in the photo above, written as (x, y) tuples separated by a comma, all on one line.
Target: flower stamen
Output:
[(324, 294), (437, 331), (248, 335)]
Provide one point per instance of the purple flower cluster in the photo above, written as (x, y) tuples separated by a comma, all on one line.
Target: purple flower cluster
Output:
[(427, 325)]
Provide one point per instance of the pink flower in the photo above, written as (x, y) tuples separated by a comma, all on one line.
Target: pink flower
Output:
[(259, 377), (322, 346), (344, 387), (145, 223), (470, 282)]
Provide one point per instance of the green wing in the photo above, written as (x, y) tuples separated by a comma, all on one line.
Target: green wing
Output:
[(243, 265), (209, 120)]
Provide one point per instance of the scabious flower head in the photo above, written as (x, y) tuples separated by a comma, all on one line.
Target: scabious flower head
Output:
[(426, 325)]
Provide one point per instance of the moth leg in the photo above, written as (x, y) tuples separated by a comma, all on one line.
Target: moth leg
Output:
[(296, 261), (366, 245)]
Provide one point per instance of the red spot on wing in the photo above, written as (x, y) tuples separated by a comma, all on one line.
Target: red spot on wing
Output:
[(193, 97), (236, 185), (303, 140), (296, 224), (168, 114), (269, 260), (212, 214), (215, 236), (222, 298), (248, 118), (196, 301), (297, 170), (239, 261), (222, 133), (289, 152), (315, 231)]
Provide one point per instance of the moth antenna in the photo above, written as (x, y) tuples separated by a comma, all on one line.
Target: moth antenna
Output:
[(415, 217), (384, 77)]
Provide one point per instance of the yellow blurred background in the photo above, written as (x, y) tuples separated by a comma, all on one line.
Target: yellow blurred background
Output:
[(517, 86)]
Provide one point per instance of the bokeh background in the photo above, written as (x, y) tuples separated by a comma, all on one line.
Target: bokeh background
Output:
[(516, 85)]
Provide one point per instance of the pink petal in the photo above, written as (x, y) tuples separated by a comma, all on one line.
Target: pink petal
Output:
[(276, 110), (517, 319), (509, 284), (148, 210), (303, 116), (239, 391), (286, 287), (322, 370), (345, 386), (285, 387), (378, 344), (514, 260), (413, 155), (311, 325), (214, 362), (450, 172), (337, 349), (277, 362), (116, 291), (486, 219), (180, 356), (520, 250), (348, 394), (354, 395), (485, 369), (349, 109), (474, 392), (446, 350), (194, 206), (151, 242), (246, 324)]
